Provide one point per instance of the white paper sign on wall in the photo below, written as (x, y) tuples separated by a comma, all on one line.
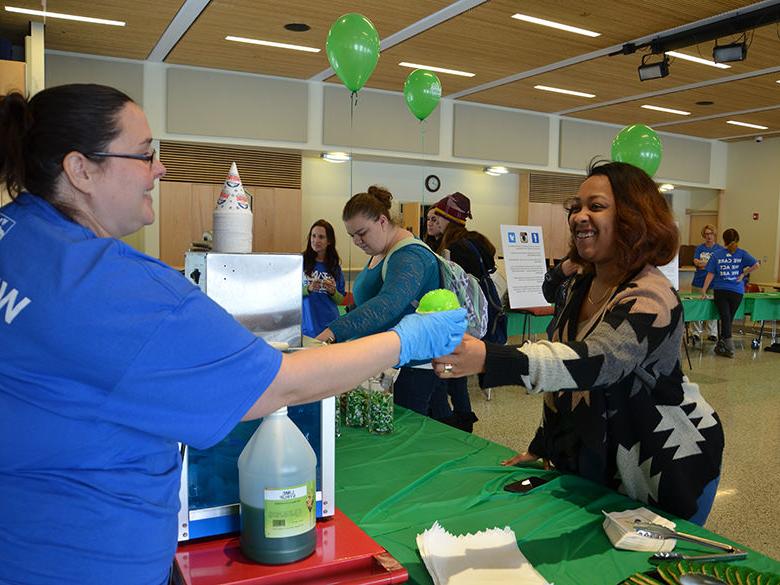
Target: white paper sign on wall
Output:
[(525, 264)]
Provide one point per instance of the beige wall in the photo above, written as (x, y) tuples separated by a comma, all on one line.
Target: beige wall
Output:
[(692, 199), (379, 120), (500, 134), (753, 186), (683, 159), (127, 76), (326, 188), (242, 109), (228, 104)]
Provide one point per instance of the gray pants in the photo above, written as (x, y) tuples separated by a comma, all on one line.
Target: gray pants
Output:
[(698, 326)]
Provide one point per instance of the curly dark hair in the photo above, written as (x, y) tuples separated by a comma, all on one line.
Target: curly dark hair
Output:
[(644, 225), (332, 260)]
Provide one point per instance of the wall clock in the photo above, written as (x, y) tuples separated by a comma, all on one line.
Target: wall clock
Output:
[(432, 183)]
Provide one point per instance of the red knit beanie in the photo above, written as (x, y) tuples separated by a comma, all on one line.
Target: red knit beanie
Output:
[(455, 207)]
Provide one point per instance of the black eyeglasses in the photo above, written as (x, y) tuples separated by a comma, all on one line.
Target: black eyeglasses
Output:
[(147, 157)]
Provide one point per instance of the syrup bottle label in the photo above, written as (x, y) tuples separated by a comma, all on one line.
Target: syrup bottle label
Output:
[(290, 511)]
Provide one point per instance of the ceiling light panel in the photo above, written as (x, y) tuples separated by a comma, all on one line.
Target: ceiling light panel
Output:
[(273, 44), (436, 69), (565, 91), (667, 110), (62, 16), (747, 125), (557, 25), (698, 60)]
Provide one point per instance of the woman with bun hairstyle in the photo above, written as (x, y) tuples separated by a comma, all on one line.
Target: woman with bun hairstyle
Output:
[(381, 302)]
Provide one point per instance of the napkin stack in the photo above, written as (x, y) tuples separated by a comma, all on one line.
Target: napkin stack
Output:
[(619, 527), (233, 217), (489, 557)]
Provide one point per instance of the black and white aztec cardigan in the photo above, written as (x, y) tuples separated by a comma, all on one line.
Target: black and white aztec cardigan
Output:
[(617, 410)]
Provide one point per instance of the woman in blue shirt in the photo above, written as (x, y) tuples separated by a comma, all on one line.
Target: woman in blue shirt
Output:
[(110, 357), (700, 258), (323, 280), (726, 270), (381, 302)]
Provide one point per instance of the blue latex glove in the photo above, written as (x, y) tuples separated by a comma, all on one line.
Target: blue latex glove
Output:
[(430, 335)]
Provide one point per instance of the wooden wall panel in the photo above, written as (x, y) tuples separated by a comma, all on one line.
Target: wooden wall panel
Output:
[(186, 212), (175, 237), (11, 76)]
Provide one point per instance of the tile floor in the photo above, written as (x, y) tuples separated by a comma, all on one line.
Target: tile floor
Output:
[(745, 391)]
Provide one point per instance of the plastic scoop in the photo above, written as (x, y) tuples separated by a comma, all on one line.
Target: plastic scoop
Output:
[(440, 299)]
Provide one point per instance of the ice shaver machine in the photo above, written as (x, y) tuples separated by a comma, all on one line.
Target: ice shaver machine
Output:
[(263, 292)]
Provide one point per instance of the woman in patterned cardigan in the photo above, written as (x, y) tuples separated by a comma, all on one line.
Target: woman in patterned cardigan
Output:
[(617, 409)]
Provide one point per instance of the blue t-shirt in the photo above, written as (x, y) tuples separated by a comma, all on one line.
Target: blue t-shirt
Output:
[(702, 252), (726, 267), (319, 308), (411, 272), (109, 358)]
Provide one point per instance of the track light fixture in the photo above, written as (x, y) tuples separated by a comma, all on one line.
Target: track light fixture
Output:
[(731, 52), (655, 70)]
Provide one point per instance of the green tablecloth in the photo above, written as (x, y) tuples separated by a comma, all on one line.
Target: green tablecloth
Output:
[(760, 307), (396, 486), (516, 319), (763, 306)]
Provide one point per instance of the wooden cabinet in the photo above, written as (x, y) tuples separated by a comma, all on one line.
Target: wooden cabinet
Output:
[(186, 212)]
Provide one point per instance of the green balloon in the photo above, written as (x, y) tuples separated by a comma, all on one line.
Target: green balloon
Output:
[(640, 146), (422, 91), (353, 49)]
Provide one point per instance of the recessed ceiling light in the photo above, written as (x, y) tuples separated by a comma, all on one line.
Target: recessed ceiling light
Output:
[(336, 157), (437, 69), (495, 171), (666, 187), (558, 25), (273, 44), (64, 16), (566, 91), (297, 26), (667, 110), (698, 60), (746, 125)]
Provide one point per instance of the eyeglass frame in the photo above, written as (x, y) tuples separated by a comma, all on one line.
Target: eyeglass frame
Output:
[(149, 158)]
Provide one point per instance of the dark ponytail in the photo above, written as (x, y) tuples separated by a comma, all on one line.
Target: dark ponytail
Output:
[(15, 123), (36, 135)]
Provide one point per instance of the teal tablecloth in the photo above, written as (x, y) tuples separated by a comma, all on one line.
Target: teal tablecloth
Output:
[(396, 486)]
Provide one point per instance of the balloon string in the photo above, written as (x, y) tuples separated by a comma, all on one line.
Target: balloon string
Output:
[(352, 105), (422, 177)]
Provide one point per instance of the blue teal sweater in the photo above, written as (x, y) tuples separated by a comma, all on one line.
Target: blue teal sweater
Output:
[(412, 271)]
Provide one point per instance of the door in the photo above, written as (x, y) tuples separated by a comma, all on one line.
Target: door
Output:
[(696, 223)]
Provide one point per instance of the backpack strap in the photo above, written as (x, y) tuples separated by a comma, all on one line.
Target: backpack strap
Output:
[(496, 305), (402, 244), (479, 256)]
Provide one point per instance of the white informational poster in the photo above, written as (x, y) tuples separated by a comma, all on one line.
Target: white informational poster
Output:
[(523, 247), (672, 271)]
